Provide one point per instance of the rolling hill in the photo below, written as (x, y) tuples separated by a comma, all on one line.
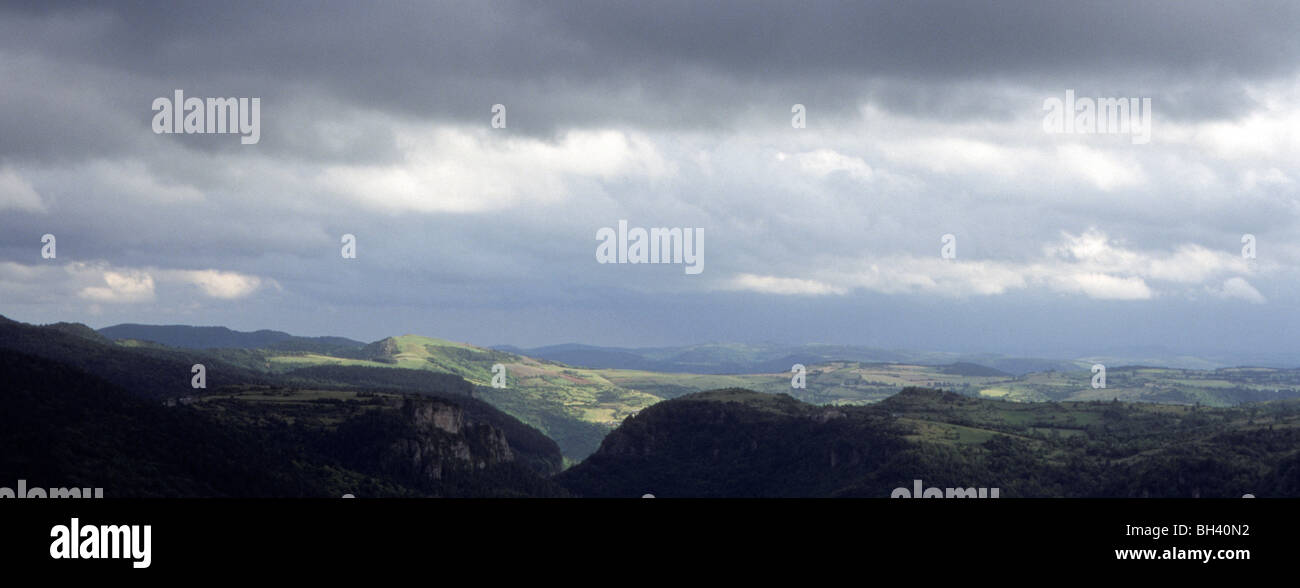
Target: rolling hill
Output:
[(188, 337), (578, 406), (573, 406), (739, 443), (78, 409)]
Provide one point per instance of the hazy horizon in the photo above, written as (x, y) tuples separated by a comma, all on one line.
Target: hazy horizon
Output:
[(1154, 355)]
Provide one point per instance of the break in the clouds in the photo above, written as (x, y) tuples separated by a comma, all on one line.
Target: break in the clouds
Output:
[(920, 119)]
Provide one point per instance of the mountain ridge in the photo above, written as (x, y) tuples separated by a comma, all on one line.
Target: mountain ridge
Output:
[(214, 337)]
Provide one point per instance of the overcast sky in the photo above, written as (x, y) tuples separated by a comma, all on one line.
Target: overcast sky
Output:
[(922, 119)]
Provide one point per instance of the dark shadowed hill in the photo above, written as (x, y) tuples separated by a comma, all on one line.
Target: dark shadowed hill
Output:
[(742, 443), (63, 427), (79, 410), (730, 443), (188, 337), (152, 372), (529, 446)]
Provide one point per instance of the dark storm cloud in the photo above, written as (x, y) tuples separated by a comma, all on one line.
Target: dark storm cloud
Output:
[(666, 63), (587, 39)]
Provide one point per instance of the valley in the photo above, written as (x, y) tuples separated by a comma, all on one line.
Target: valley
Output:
[(417, 416), (577, 406)]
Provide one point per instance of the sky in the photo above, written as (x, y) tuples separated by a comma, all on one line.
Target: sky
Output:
[(920, 120)]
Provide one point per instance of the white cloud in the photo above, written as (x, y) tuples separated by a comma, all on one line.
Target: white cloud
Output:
[(961, 155), (1238, 288), (783, 286), (100, 282), (1104, 286), (121, 286), (986, 157), (219, 284), (908, 274), (1253, 179), (455, 170), (823, 162), (1103, 170), (1194, 264), (1088, 264), (1261, 135), (17, 193)]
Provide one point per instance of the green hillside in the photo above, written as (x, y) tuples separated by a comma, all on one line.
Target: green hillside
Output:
[(576, 407)]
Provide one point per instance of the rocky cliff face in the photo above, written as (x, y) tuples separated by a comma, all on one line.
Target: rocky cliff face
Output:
[(737, 443), (382, 350), (439, 439), (425, 443), (437, 415)]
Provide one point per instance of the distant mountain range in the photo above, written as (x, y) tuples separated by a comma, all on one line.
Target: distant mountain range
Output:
[(188, 337), (708, 358), (719, 358), (731, 358)]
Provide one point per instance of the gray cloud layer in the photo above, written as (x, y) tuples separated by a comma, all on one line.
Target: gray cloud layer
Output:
[(924, 119)]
